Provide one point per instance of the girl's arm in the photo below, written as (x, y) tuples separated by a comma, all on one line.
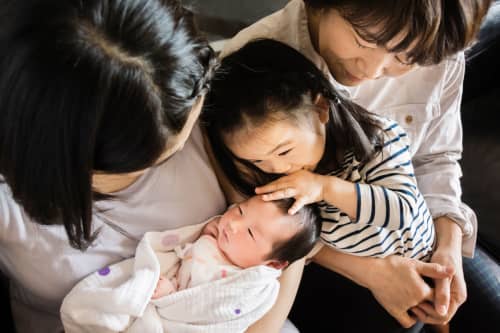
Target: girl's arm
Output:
[(273, 321), (381, 192), (396, 282)]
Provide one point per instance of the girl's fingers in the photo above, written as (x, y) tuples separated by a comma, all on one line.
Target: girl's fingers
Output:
[(281, 194), (271, 187), (297, 205)]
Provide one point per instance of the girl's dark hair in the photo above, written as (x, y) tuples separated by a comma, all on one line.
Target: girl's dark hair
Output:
[(437, 28), (95, 85), (266, 80), (309, 218)]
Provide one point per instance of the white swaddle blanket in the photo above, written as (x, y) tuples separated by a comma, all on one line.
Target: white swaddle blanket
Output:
[(118, 298)]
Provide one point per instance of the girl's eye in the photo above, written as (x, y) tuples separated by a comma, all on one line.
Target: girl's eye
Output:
[(285, 152)]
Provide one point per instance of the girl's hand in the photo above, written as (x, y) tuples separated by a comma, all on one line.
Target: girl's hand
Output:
[(306, 187)]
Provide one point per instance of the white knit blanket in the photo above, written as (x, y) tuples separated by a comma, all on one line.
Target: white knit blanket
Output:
[(118, 298)]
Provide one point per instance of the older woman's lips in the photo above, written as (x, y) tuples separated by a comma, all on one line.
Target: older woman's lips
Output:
[(352, 77)]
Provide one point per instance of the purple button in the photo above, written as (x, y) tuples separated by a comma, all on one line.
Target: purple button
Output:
[(104, 271), (237, 311)]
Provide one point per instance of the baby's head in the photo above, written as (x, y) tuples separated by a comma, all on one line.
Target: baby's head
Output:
[(256, 232)]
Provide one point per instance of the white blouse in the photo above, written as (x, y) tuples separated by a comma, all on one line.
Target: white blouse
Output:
[(43, 267)]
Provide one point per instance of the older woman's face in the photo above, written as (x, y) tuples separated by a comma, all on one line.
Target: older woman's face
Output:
[(350, 58)]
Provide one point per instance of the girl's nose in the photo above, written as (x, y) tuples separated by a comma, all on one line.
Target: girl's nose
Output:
[(279, 166)]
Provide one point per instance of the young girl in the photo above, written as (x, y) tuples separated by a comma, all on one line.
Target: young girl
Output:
[(272, 110)]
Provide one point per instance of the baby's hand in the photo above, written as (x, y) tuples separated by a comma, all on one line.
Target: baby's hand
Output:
[(163, 288), (306, 187)]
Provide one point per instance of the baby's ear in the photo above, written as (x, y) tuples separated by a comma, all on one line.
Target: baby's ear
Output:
[(277, 264)]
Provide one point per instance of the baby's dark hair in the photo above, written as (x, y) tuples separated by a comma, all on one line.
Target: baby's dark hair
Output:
[(308, 217)]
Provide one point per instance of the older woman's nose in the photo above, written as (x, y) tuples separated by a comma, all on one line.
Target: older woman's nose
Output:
[(374, 66)]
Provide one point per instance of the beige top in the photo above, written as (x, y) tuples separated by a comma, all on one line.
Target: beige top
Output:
[(43, 267), (424, 101)]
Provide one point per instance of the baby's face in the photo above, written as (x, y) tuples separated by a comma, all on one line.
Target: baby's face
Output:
[(247, 231)]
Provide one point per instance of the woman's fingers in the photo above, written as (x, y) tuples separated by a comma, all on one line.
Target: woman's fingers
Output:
[(419, 313), (434, 271), (442, 295), (428, 314), (404, 319)]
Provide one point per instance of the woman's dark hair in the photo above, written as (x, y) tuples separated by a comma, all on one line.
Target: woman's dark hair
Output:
[(434, 29), (94, 85), (266, 80), (309, 219)]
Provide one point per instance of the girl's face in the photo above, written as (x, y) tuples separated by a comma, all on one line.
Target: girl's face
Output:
[(282, 146), (351, 59)]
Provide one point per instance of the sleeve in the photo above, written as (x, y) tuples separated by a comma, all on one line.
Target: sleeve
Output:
[(389, 198), (436, 161), (12, 216)]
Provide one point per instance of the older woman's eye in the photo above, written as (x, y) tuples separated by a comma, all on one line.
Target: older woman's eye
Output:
[(402, 61)]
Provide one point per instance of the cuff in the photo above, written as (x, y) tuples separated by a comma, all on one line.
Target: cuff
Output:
[(464, 217)]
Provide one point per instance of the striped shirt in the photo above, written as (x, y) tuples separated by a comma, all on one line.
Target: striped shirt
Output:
[(392, 217)]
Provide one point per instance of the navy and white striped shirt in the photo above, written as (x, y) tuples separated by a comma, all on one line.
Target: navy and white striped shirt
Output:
[(392, 217)]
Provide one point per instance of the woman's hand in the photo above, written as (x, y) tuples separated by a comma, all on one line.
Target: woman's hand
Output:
[(450, 293), (396, 282), (306, 187)]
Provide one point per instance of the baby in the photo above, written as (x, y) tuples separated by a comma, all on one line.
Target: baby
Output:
[(253, 232)]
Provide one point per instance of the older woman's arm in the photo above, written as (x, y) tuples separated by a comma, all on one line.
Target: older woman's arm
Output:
[(273, 321), (396, 282)]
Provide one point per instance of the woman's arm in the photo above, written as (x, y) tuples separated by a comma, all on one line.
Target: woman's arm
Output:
[(273, 321), (396, 282)]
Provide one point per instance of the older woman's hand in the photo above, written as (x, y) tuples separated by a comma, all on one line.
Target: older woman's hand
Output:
[(451, 292), (396, 282)]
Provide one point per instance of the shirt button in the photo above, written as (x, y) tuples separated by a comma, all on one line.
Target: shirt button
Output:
[(409, 119)]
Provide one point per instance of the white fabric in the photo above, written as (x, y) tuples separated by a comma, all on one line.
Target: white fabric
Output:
[(118, 298), (424, 101), (43, 267)]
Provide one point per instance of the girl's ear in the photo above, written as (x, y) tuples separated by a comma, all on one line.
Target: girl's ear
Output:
[(323, 108), (276, 264)]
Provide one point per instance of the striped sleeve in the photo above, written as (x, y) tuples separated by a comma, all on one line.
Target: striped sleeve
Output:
[(388, 195)]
